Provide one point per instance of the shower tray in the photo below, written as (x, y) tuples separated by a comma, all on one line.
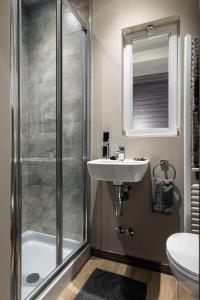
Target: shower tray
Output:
[(39, 257)]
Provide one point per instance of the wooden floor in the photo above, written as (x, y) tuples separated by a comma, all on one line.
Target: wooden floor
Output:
[(159, 286)]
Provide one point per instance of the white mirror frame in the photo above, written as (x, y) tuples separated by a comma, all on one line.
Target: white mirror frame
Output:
[(172, 130)]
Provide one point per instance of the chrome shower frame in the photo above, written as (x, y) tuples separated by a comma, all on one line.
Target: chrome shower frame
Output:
[(16, 199)]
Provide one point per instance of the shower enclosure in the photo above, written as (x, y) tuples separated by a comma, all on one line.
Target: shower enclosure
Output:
[(50, 51)]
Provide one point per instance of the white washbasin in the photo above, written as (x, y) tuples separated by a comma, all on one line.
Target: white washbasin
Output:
[(128, 170)]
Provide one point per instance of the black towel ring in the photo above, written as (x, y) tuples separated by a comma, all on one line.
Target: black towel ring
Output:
[(164, 164)]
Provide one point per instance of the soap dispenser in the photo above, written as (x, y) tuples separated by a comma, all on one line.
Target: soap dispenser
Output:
[(120, 153)]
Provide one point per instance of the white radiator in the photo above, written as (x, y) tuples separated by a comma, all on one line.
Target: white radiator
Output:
[(195, 208), (191, 134)]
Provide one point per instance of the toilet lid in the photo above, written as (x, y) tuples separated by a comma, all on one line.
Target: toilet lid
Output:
[(183, 248)]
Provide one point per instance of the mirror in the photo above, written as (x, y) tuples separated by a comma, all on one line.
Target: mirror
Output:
[(150, 80)]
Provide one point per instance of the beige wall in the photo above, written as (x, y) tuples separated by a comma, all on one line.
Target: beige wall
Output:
[(109, 17), (5, 149)]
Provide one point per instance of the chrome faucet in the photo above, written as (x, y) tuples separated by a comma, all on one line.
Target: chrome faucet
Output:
[(120, 153)]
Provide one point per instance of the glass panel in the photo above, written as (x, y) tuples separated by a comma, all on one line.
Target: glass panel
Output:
[(38, 141), (150, 82), (73, 126)]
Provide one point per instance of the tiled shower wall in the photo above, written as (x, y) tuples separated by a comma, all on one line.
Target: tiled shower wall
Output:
[(82, 8), (38, 119)]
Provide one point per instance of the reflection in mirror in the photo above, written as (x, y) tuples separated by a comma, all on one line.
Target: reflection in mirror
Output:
[(150, 82)]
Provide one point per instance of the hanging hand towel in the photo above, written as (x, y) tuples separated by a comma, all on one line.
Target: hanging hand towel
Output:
[(163, 195)]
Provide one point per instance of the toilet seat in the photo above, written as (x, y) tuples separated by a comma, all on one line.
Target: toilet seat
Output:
[(183, 251)]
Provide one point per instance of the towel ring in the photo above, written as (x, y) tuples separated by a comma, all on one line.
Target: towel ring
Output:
[(164, 163)]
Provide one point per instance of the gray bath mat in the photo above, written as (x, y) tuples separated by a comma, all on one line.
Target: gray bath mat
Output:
[(103, 285)]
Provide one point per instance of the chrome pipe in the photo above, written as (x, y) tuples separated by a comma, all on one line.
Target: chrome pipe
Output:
[(121, 195), (119, 208), (118, 200)]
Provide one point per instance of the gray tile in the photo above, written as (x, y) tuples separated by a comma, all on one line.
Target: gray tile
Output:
[(49, 196), (38, 50), (82, 8), (42, 70), (24, 64), (24, 107), (70, 23), (47, 93), (36, 31), (49, 174), (73, 161), (34, 72), (84, 13), (41, 10), (72, 177), (25, 220), (47, 70), (33, 95), (49, 215), (72, 225), (72, 199), (71, 235), (73, 215), (41, 30), (24, 13), (49, 227), (80, 3), (73, 131), (41, 148), (72, 88), (44, 227), (52, 8), (72, 65), (34, 175), (35, 214), (25, 173), (65, 6), (72, 43), (72, 112), (72, 151), (42, 109)]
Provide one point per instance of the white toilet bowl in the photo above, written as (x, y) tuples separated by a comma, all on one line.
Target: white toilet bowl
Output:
[(183, 256)]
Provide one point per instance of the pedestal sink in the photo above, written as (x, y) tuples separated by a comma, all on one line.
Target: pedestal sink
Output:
[(128, 170), (120, 173)]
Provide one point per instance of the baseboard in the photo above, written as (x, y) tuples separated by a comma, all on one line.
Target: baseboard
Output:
[(133, 261)]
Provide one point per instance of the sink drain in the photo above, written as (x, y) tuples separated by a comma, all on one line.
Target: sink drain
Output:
[(33, 277)]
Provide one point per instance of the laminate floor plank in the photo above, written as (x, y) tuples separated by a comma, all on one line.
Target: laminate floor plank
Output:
[(183, 294), (159, 286)]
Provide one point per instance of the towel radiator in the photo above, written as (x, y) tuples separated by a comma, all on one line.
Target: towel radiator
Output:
[(195, 208), (191, 142)]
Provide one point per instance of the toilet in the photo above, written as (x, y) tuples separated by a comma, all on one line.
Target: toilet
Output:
[(183, 255)]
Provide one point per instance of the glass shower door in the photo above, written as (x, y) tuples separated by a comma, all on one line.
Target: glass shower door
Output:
[(38, 141), (73, 135), (52, 120)]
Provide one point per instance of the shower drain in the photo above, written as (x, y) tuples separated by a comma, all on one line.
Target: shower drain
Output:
[(33, 277)]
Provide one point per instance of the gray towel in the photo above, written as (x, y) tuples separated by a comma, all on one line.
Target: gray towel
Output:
[(163, 195)]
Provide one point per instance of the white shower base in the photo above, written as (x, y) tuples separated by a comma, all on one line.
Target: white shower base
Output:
[(39, 256)]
